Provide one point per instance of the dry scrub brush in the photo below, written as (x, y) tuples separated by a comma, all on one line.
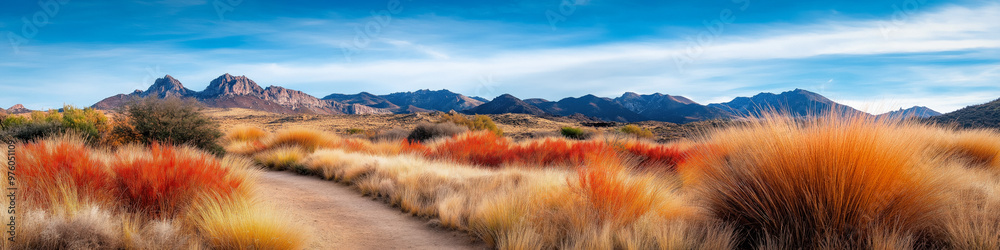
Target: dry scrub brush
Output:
[(832, 181), (603, 206), (840, 181), (76, 197)]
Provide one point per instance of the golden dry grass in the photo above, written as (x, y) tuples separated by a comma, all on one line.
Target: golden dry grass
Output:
[(245, 133), (307, 139), (829, 182), (246, 224), (282, 158)]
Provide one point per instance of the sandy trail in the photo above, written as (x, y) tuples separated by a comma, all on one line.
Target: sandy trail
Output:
[(340, 218)]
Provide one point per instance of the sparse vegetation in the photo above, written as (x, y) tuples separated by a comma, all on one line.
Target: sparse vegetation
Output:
[(428, 131), (575, 133), (88, 123), (74, 196), (391, 135), (170, 120), (773, 182), (477, 123)]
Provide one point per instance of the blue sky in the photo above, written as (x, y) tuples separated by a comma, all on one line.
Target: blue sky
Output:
[(873, 55)]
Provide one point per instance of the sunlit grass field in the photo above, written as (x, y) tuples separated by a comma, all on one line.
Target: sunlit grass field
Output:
[(831, 182)]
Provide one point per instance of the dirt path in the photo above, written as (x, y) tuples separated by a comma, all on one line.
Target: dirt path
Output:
[(340, 218)]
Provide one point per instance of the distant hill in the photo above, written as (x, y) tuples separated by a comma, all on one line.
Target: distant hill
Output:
[(440, 100), (167, 87), (667, 108), (363, 98), (592, 106), (507, 103), (228, 91), (535, 101), (986, 115), (798, 102), (411, 102), (915, 111), (18, 109)]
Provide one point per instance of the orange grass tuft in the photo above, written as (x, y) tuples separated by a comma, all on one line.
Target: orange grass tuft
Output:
[(306, 138), (246, 133), (616, 197), (812, 182)]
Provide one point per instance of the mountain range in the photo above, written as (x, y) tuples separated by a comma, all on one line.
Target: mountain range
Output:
[(228, 91), (977, 116)]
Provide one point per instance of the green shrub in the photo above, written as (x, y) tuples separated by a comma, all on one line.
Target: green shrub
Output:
[(169, 120), (34, 130), (575, 133), (12, 121), (354, 131), (88, 123), (636, 131), (478, 122), (427, 131)]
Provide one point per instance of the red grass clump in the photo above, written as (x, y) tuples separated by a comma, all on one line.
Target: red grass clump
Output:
[(45, 165), (656, 157), (616, 197), (412, 147), (488, 149), (480, 148), (168, 179), (559, 152)]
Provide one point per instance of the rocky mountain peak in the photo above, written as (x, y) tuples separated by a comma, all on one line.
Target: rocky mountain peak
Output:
[(915, 111), (229, 85), (167, 87), (291, 98), (18, 109)]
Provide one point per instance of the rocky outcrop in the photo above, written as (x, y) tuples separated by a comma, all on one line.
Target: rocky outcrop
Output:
[(229, 85), (167, 87), (18, 109)]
